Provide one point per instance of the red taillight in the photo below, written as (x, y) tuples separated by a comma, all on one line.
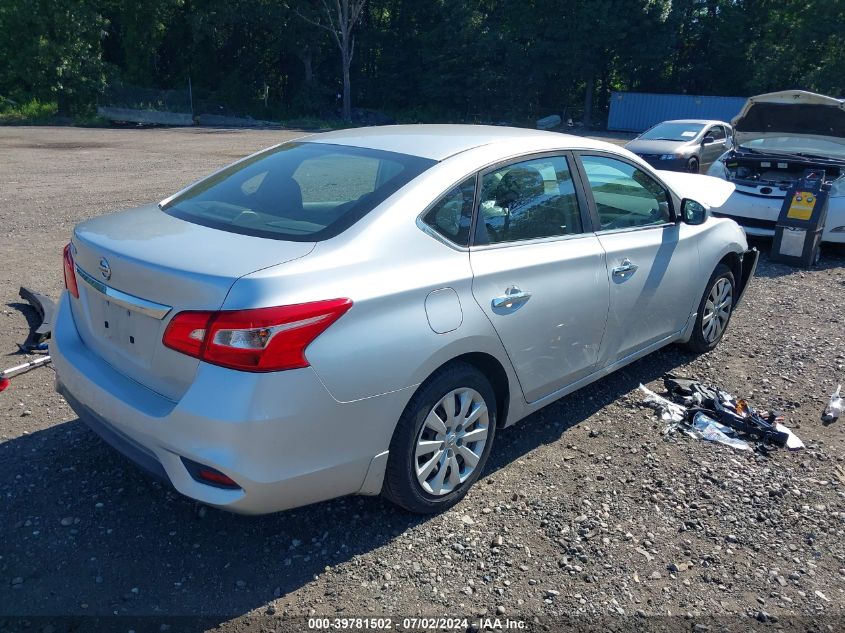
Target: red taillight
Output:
[(70, 273), (264, 339), (186, 332)]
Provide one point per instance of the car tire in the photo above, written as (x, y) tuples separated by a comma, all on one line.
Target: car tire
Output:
[(411, 481), (693, 165), (714, 311)]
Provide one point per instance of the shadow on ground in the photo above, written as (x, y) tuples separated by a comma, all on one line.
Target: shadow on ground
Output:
[(832, 257), (85, 532)]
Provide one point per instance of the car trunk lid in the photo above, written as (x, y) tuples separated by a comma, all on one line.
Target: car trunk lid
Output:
[(138, 268)]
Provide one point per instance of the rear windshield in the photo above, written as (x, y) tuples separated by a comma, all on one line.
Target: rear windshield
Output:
[(302, 192), (673, 132)]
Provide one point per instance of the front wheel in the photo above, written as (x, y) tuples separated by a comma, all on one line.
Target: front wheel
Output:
[(714, 310), (692, 165), (442, 440)]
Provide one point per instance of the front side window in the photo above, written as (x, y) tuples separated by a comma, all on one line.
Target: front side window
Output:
[(717, 132), (298, 191), (528, 200), (625, 196), (451, 216)]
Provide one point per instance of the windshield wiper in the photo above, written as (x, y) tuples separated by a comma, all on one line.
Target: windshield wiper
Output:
[(742, 148), (817, 157)]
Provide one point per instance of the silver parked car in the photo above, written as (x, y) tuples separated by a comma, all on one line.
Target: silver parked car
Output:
[(777, 137), (360, 311), (684, 145)]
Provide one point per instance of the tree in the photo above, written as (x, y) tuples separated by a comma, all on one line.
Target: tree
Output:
[(340, 25), (51, 51)]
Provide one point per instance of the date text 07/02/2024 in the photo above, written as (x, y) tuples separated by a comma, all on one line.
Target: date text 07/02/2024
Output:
[(414, 624)]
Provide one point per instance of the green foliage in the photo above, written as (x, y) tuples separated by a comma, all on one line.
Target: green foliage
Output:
[(420, 60), (51, 51), (313, 97), (33, 112)]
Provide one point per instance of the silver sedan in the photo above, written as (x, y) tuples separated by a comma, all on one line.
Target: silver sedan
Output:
[(360, 311), (689, 145)]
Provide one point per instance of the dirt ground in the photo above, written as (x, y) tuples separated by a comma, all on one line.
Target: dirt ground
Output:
[(586, 515)]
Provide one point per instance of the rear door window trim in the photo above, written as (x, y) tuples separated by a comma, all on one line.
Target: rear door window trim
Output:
[(430, 230), (583, 210)]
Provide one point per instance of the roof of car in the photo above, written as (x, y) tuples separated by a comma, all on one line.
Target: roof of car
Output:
[(438, 142)]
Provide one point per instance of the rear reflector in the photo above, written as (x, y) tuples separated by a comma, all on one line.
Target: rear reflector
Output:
[(264, 339), (208, 475), (217, 478), (70, 273)]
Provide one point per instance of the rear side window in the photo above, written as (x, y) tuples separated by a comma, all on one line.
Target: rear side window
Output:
[(451, 216), (528, 200), (297, 192)]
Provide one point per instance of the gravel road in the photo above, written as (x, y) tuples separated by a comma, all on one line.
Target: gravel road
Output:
[(585, 509)]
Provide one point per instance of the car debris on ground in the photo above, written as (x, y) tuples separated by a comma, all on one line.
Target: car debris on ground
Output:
[(708, 413), (45, 309), (36, 341), (835, 407)]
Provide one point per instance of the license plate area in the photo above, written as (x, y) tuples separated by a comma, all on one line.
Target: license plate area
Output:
[(126, 331), (123, 325)]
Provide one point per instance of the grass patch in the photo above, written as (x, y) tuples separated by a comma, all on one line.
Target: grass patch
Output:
[(33, 112)]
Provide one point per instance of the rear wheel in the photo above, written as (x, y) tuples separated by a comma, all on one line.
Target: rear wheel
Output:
[(692, 165), (714, 310), (442, 440)]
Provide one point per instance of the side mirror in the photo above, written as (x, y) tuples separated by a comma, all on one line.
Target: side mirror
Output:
[(692, 212), (708, 140)]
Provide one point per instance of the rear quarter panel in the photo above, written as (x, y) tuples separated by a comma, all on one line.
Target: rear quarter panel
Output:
[(388, 266)]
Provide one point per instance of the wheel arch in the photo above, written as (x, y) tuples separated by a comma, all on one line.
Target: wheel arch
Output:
[(493, 370), (697, 159), (733, 261)]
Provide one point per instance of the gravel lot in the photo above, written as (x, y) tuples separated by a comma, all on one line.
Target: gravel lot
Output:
[(585, 509)]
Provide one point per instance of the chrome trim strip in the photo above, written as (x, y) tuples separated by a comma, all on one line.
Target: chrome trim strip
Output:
[(130, 302)]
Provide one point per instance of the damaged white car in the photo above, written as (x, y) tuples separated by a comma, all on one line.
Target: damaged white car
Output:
[(777, 136)]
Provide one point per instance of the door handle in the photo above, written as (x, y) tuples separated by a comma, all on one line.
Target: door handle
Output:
[(625, 269), (512, 299)]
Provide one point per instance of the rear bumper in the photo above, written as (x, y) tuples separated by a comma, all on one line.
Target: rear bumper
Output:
[(280, 436), (142, 457)]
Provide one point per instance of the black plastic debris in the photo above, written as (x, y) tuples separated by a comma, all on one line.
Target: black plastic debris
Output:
[(713, 414), (36, 341)]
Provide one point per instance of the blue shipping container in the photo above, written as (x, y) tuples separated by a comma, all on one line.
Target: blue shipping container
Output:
[(638, 111)]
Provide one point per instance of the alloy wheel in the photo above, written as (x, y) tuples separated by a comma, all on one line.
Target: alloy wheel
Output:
[(717, 310), (451, 441)]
